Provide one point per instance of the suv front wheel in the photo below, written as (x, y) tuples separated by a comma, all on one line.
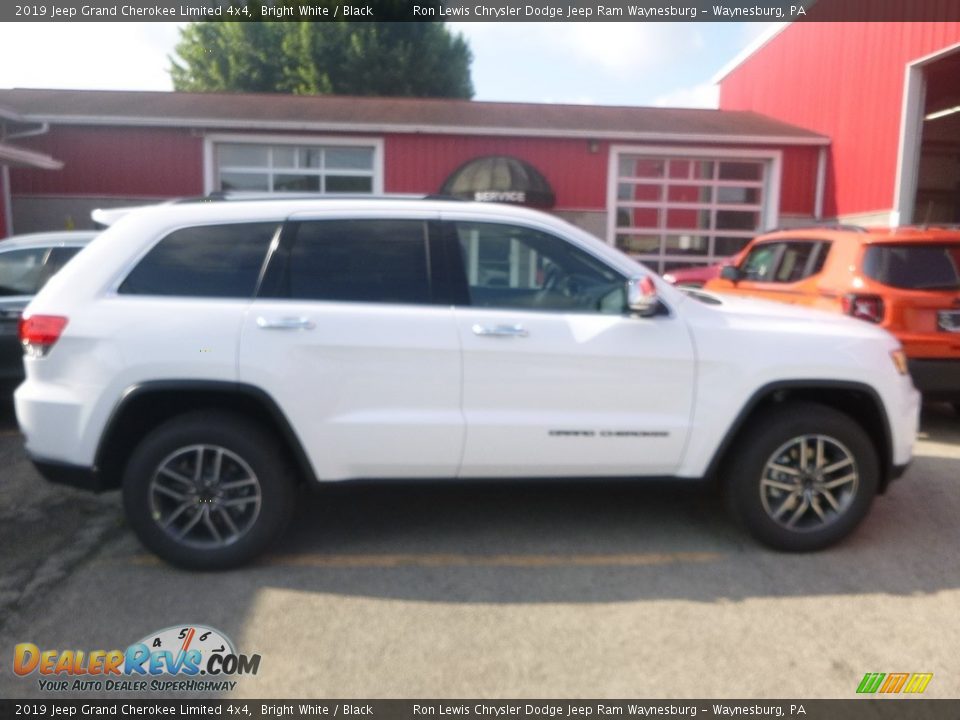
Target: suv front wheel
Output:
[(802, 477), (207, 490)]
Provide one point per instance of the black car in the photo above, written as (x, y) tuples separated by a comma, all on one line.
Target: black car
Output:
[(26, 263)]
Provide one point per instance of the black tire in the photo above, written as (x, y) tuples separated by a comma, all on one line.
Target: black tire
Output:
[(235, 517), (778, 434), (956, 407)]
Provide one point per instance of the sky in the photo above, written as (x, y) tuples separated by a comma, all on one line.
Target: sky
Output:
[(664, 64)]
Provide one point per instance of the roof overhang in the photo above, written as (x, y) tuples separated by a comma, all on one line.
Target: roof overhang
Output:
[(248, 125)]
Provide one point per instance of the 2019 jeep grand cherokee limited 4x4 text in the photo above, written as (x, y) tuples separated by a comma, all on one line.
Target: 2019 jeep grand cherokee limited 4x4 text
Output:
[(207, 358)]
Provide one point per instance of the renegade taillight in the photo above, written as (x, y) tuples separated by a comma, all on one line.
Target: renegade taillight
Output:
[(864, 307), (38, 333)]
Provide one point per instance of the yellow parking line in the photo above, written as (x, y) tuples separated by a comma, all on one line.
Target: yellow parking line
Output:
[(322, 560), (517, 561)]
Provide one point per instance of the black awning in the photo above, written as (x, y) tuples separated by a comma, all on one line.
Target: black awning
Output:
[(500, 178)]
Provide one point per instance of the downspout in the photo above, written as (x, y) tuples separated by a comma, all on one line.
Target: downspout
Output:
[(5, 175), (42, 130), (821, 183), (7, 210)]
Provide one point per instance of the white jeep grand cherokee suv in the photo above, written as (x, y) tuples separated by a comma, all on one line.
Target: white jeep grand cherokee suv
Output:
[(207, 358)]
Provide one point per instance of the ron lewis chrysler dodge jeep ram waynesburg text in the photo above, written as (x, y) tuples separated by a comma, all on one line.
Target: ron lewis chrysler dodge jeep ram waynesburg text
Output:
[(206, 358)]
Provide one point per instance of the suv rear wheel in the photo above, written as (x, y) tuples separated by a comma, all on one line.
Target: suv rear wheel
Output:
[(802, 477), (207, 490)]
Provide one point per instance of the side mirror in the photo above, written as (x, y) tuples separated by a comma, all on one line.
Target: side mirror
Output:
[(642, 296), (731, 273)]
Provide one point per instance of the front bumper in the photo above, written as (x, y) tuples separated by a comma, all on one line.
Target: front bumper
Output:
[(936, 379), (83, 478)]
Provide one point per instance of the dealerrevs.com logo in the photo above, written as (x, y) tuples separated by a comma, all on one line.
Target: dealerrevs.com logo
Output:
[(189, 658)]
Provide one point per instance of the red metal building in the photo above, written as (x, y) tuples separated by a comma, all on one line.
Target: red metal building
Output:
[(887, 94), (13, 127), (671, 186)]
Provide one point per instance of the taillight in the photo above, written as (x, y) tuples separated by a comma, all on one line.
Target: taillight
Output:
[(39, 333), (863, 307)]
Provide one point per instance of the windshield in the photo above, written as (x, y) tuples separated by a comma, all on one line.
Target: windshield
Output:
[(914, 266)]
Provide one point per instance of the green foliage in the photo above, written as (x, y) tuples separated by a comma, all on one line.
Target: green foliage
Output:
[(416, 59)]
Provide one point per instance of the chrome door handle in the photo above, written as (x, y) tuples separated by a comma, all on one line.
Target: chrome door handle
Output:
[(287, 323), (500, 330)]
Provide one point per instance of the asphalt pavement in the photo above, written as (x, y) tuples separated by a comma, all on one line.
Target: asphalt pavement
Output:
[(562, 590)]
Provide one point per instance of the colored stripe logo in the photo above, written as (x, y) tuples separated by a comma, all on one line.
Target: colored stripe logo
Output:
[(894, 683)]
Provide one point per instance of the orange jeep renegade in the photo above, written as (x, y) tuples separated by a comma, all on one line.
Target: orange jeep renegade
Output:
[(906, 280)]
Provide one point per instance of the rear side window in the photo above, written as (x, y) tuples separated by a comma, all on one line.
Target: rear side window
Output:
[(379, 261), (221, 261), (801, 260), (914, 266), (58, 258), (21, 271)]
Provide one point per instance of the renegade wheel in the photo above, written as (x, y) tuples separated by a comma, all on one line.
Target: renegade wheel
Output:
[(802, 477), (207, 491)]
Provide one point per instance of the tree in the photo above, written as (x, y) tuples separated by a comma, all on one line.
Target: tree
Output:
[(416, 59)]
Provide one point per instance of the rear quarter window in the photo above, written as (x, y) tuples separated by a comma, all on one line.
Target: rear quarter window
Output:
[(915, 266), (222, 261)]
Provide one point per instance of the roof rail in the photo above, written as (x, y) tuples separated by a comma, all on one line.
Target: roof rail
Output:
[(834, 226), (105, 217), (441, 196), (928, 226), (245, 195)]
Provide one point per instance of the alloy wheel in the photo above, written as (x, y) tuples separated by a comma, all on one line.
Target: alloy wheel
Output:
[(204, 496), (809, 482)]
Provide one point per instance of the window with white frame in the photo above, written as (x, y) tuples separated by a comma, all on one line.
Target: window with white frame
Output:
[(680, 211), (295, 168)]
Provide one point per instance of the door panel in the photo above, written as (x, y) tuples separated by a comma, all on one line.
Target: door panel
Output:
[(372, 390), (349, 337), (574, 394), (557, 380)]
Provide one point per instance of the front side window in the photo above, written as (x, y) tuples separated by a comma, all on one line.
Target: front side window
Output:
[(381, 261), (760, 262), (516, 267), (222, 261), (295, 168), (21, 271)]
